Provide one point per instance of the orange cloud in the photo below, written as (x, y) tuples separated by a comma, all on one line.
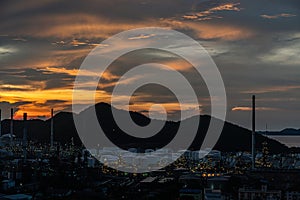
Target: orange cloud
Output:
[(178, 65), (90, 26), (224, 32), (141, 37), (188, 110), (191, 16), (5, 87), (40, 97), (77, 30), (278, 16), (75, 26), (228, 6), (272, 89), (212, 31), (244, 108), (34, 111), (208, 14)]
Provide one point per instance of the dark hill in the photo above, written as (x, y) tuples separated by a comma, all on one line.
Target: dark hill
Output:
[(233, 137)]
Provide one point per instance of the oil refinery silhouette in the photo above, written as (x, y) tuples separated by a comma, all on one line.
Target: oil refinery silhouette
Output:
[(60, 129)]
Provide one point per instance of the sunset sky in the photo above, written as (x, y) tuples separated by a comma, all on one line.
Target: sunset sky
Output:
[(254, 43)]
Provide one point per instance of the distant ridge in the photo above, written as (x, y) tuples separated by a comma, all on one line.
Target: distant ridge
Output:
[(284, 132), (233, 137)]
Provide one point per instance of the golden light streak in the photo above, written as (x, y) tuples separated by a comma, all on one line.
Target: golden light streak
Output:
[(37, 97), (141, 37), (278, 16), (208, 14), (17, 87), (272, 89), (245, 108)]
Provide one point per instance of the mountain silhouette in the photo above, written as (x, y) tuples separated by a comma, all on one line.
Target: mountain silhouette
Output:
[(284, 132), (233, 138)]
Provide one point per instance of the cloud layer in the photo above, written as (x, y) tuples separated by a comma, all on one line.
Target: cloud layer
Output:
[(255, 44)]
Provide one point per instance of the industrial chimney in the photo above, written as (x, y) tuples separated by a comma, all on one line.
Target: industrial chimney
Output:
[(0, 124), (52, 129), (25, 135), (11, 121), (253, 132)]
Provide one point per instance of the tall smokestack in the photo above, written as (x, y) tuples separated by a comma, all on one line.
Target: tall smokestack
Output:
[(253, 132), (0, 124), (25, 135), (52, 129), (11, 121)]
